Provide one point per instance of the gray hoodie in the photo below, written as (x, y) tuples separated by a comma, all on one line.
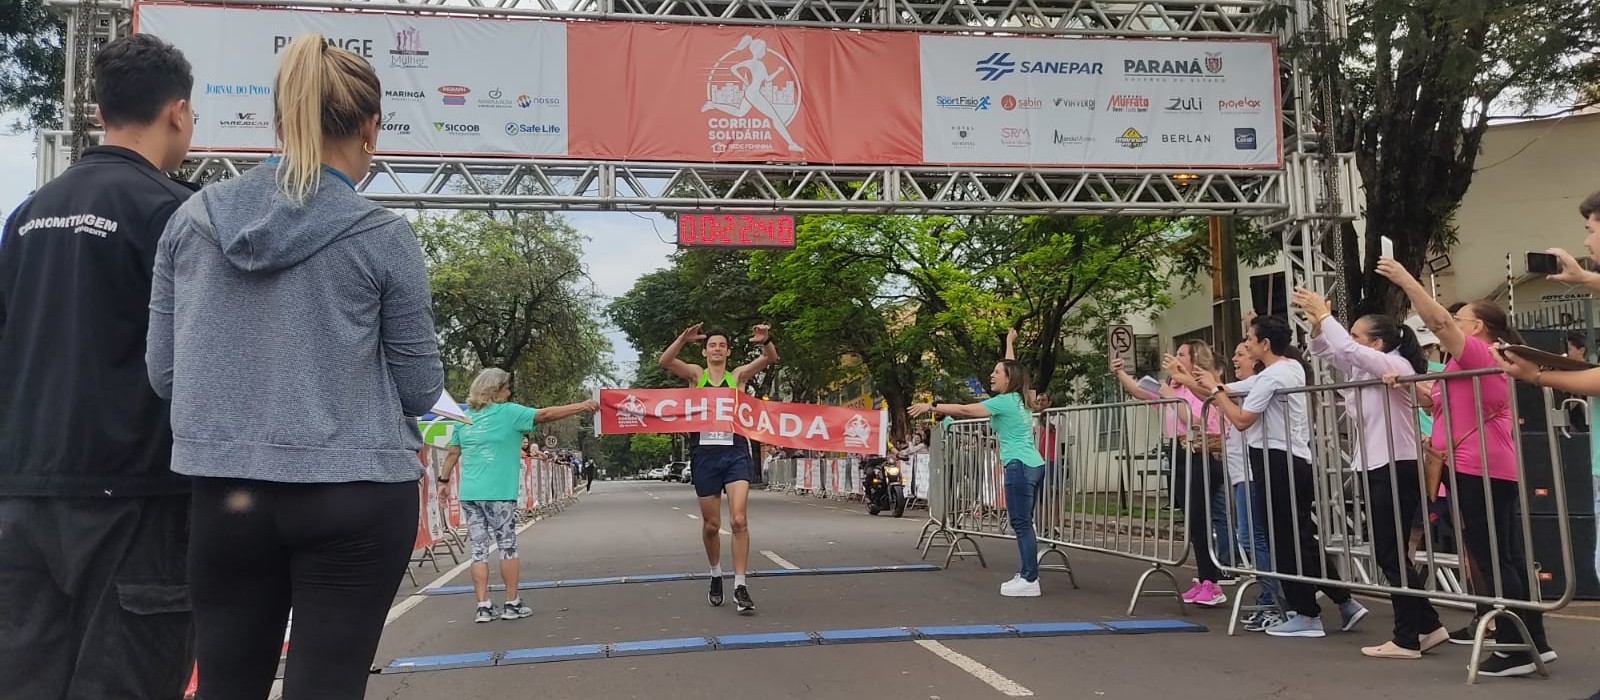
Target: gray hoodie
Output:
[(293, 342)]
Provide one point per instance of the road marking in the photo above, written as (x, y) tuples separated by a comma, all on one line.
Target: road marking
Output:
[(780, 561), (981, 672), (692, 515), (676, 508)]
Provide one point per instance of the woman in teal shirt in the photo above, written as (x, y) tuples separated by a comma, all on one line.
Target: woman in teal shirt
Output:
[(489, 450), (1012, 423)]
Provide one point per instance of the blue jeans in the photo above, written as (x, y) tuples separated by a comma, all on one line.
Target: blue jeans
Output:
[(1022, 485), (1252, 533), (1219, 525)]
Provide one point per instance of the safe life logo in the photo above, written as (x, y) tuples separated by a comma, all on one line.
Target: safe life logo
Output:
[(753, 93)]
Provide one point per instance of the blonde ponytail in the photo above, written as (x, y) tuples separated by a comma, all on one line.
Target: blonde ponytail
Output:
[(322, 93)]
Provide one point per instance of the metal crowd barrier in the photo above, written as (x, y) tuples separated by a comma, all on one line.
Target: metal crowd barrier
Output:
[(1502, 581), (1109, 495), (1112, 492)]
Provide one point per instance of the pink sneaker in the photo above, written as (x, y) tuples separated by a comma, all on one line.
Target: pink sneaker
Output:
[(1210, 596), (1193, 592)]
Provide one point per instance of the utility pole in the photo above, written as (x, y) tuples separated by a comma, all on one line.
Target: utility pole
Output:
[(1226, 322)]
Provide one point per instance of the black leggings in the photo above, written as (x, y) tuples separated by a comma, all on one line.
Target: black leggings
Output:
[(336, 551), (1197, 514), (1508, 554), (1289, 492)]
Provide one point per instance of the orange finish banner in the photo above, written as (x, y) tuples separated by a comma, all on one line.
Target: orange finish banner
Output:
[(800, 426), (709, 94)]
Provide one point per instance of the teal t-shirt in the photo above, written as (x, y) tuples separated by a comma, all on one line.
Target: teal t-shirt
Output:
[(491, 451), (1013, 427), (1424, 416)]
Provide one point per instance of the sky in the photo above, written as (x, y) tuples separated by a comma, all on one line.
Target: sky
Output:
[(621, 246)]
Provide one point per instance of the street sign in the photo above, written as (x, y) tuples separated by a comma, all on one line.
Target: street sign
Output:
[(1122, 345), (551, 441)]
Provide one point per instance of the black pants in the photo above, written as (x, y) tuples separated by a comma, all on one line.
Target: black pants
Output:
[(336, 551), (1512, 560), (1395, 496), (94, 598), (1197, 517), (1289, 488)]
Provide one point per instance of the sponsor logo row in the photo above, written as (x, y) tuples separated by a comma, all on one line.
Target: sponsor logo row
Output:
[(1123, 103), (1244, 138), (390, 124), (1207, 66), (449, 95)]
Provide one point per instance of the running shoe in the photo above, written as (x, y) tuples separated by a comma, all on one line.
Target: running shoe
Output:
[(1498, 665), (716, 592), (485, 614), (1020, 588), (515, 610), (1210, 596), (1351, 613), (1298, 626), (1464, 635), (1193, 592), (741, 598), (1262, 621)]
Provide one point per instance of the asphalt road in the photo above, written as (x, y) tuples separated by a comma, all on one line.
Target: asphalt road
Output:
[(633, 528)]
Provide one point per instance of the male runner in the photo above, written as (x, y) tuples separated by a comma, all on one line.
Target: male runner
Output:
[(721, 462)]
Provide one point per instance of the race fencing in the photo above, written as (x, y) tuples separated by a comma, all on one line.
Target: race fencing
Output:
[(1302, 513), (1108, 495), (840, 479), (546, 488)]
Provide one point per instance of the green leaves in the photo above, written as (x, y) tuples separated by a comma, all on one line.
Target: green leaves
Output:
[(32, 62), (510, 291)]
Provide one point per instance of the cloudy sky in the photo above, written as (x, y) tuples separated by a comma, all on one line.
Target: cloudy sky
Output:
[(621, 246)]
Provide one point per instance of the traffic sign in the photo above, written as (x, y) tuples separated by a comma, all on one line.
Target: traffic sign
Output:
[(1122, 345), (550, 441)]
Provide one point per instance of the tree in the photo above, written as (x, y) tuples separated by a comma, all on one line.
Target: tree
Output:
[(510, 291), (32, 62), (1418, 82), (651, 447)]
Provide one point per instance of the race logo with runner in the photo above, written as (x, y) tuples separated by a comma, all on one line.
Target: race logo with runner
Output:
[(753, 92), (631, 412)]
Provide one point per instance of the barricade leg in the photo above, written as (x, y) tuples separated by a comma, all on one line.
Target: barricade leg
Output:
[(942, 532), (1140, 592), (957, 551), (1240, 608), (1479, 645), (1065, 565), (928, 528)]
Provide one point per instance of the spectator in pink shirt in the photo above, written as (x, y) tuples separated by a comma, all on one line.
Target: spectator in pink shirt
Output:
[(1482, 454), (1386, 451)]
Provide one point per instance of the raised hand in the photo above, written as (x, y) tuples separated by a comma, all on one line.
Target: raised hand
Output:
[(1572, 271), (692, 334), (1395, 272), (1312, 304), (918, 410), (761, 334), (590, 406), (1117, 366)]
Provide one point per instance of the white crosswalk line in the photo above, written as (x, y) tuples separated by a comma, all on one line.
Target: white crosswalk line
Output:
[(981, 672), (780, 561)]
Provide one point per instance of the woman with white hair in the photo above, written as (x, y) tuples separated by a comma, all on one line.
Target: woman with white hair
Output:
[(489, 450)]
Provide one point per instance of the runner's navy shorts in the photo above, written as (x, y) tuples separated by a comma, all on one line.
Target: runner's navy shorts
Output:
[(711, 469)]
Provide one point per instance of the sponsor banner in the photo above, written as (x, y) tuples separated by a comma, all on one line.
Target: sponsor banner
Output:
[(702, 94), (709, 94), (1099, 102), (792, 425), (450, 86)]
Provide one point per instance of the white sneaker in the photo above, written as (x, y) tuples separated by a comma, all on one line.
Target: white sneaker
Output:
[(1018, 588)]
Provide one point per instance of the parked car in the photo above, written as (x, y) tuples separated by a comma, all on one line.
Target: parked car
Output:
[(684, 474), (655, 474)]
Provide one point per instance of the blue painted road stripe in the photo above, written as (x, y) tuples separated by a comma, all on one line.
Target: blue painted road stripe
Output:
[(700, 576), (770, 640)]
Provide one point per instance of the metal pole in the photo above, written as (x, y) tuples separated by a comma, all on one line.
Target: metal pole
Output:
[(1226, 321)]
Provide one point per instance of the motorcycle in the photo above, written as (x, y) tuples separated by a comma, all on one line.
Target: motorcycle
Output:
[(884, 489)]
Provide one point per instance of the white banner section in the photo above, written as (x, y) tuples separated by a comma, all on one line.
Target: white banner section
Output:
[(489, 87), (1099, 102)]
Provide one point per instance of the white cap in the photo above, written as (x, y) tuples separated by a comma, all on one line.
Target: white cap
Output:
[(1425, 337)]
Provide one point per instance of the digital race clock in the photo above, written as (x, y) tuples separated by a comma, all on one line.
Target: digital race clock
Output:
[(733, 229)]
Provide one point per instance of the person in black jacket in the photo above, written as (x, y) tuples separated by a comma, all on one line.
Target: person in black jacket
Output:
[(94, 596)]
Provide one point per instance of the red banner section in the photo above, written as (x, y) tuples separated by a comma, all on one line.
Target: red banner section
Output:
[(798, 426), (709, 94)]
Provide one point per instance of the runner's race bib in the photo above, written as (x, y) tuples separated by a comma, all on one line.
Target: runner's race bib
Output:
[(716, 438)]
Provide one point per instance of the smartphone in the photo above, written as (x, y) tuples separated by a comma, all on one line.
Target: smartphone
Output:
[(1543, 264), (1385, 247)]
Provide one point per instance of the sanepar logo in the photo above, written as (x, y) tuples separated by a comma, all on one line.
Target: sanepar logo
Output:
[(999, 65), (448, 128)]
